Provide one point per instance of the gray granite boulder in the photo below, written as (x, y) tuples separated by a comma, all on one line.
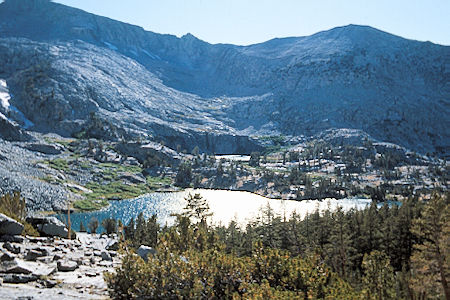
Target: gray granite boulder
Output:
[(49, 226), (133, 178), (7, 256), (9, 226), (45, 148), (12, 238), (14, 248), (144, 251), (112, 245), (106, 256), (16, 266), (66, 265), (33, 254), (19, 278)]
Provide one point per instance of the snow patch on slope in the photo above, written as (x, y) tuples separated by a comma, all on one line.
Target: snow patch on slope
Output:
[(151, 55), (8, 109), (20, 117), (4, 95), (111, 46)]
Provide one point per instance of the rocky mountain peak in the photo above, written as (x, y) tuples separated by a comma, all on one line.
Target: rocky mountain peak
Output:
[(189, 91)]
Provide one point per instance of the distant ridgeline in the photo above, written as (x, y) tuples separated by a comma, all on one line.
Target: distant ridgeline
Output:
[(64, 65)]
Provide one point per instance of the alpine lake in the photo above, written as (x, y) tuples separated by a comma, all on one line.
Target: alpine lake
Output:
[(225, 206)]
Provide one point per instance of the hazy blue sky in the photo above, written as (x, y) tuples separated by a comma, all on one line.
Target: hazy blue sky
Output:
[(252, 21)]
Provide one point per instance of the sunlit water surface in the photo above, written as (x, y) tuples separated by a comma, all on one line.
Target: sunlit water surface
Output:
[(225, 206)]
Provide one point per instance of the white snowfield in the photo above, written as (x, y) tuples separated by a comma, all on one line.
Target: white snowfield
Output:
[(4, 95), (9, 111)]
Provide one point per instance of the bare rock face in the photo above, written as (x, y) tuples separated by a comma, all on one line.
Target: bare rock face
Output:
[(9, 226), (188, 92), (12, 132)]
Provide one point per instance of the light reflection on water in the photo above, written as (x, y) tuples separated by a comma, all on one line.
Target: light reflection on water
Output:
[(225, 206)]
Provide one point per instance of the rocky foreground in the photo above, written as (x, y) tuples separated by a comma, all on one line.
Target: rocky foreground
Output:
[(56, 268)]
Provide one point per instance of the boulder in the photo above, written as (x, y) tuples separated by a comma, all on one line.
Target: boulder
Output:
[(112, 245), (45, 259), (16, 249), (19, 278), (47, 283), (7, 256), (11, 131), (106, 256), (9, 226), (16, 266), (39, 239), (91, 274), (106, 264), (66, 265), (32, 255), (49, 226), (133, 178), (12, 238), (45, 148), (58, 256), (78, 188), (44, 269), (143, 252)]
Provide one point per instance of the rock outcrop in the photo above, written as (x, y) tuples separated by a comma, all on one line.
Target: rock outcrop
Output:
[(44, 148), (9, 226), (53, 268), (49, 226)]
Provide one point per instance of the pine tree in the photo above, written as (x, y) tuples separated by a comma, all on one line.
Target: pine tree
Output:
[(269, 227), (130, 230), (403, 238), (184, 175), (378, 277), (140, 232), (430, 265), (152, 229), (339, 247), (82, 228), (110, 225), (371, 229), (254, 159), (93, 225), (197, 208)]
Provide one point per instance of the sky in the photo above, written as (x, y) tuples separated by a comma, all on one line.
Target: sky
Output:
[(245, 22)]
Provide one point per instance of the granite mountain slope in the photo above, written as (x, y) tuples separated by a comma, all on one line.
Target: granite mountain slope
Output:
[(62, 65)]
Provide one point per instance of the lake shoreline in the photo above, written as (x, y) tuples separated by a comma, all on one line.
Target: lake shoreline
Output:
[(226, 206)]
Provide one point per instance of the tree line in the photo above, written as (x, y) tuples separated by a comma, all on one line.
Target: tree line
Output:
[(388, 252)]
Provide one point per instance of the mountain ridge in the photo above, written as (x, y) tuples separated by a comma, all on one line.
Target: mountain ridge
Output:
[(347, 77)]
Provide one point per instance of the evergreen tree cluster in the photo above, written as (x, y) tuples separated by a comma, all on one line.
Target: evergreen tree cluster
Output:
[(388, 252)]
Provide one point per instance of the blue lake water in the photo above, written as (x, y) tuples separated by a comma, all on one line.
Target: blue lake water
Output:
[(225, 206)]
